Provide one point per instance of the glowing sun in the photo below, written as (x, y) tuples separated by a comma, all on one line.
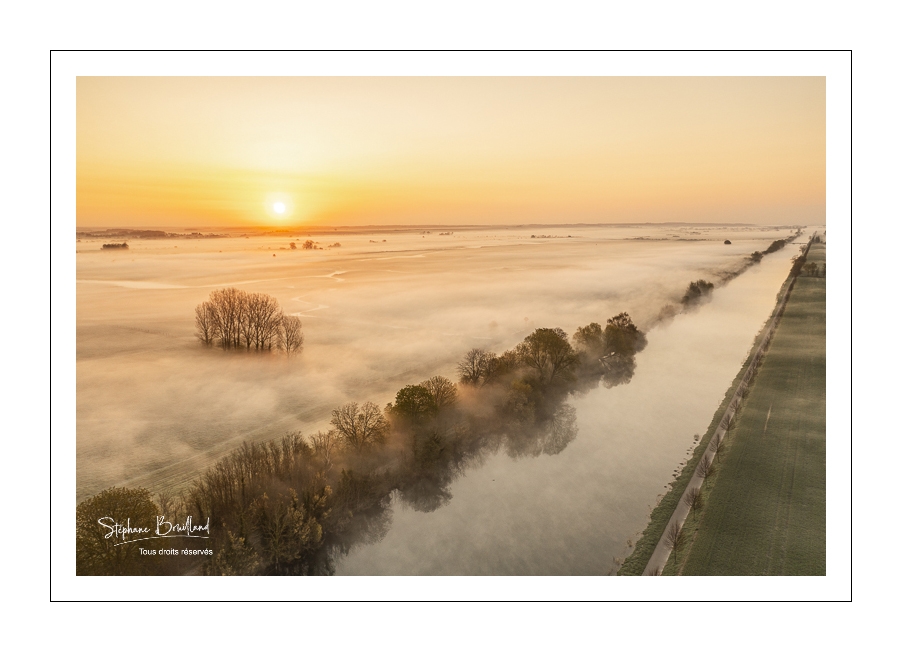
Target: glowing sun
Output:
[(278, 207)]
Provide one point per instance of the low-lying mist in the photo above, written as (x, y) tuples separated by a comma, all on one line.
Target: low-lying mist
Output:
[(154, 407)]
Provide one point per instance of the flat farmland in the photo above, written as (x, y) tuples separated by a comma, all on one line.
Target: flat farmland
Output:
[(765, 512)]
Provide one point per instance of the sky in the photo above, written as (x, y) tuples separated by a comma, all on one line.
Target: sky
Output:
[(188, 152)]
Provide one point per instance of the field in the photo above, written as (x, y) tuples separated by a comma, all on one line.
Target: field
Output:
[(390, 308), (765, 509)]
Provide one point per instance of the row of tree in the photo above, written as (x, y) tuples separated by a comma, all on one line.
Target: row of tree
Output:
[(235, 319), (292, 506), (776, 245), (697, 291), (553, 359)]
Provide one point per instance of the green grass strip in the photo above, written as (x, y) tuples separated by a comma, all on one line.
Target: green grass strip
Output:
[(766, 511), (637, 561)]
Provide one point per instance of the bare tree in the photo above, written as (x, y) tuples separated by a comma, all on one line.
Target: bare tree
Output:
[(674, 538), (718, 444), (324, 445), (442, 391), (705, 468), (229, 306), (731, 424), (291, 339), (261, 321), (693, 498), (205, 321), (233, 318), (476, 366), (360, 426)]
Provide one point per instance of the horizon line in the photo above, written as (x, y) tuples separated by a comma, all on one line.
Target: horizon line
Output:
[(432, 226)]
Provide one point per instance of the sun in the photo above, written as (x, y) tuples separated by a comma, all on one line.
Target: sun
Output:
[(278, 206)]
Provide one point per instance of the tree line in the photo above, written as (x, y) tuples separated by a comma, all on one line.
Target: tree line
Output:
[(697, 291), (235, 319), (776, 245), (294, 505)]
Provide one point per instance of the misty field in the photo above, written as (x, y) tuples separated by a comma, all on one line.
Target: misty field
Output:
[(766, 511), (389, 308)]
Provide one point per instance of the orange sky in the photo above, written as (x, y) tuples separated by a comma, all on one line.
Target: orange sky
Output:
[(220, 151)]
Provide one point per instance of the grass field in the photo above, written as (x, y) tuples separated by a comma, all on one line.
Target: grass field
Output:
[(636, 562), (765, 509)]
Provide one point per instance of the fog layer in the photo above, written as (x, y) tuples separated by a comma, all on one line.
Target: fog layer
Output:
[(155, 407)]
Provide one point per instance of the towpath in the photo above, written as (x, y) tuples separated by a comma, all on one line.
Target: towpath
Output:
[(662, 551)]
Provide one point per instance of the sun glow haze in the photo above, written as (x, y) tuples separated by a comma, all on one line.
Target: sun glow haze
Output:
[(354, 151)]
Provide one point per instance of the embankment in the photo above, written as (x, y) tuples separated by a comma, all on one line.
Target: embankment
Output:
[(765, 511), (652, 550)]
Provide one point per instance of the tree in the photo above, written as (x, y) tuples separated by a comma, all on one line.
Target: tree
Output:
[(589, 338), (621, 336), (705, 468), (442, 391), (308, 244), (414, 402), (693, 499), (360, 426), (228, 307), (674, 538), (548, 352), (697, 290), (797, 263), (291, 339), (776, 245), (502, 365), (810, 268), (476, 367), (232, 317), (96, 549), (205, 321), (288, 533), (261, 319), (234, 557), (324, 445)]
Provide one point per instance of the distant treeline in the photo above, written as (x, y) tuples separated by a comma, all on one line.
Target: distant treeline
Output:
[(292, 506), (701, 290), (116, 245), (754, 258), (234, 319), (144, 234)]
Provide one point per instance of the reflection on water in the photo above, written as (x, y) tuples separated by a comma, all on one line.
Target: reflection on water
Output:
[(292, 508), (573, 513)]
